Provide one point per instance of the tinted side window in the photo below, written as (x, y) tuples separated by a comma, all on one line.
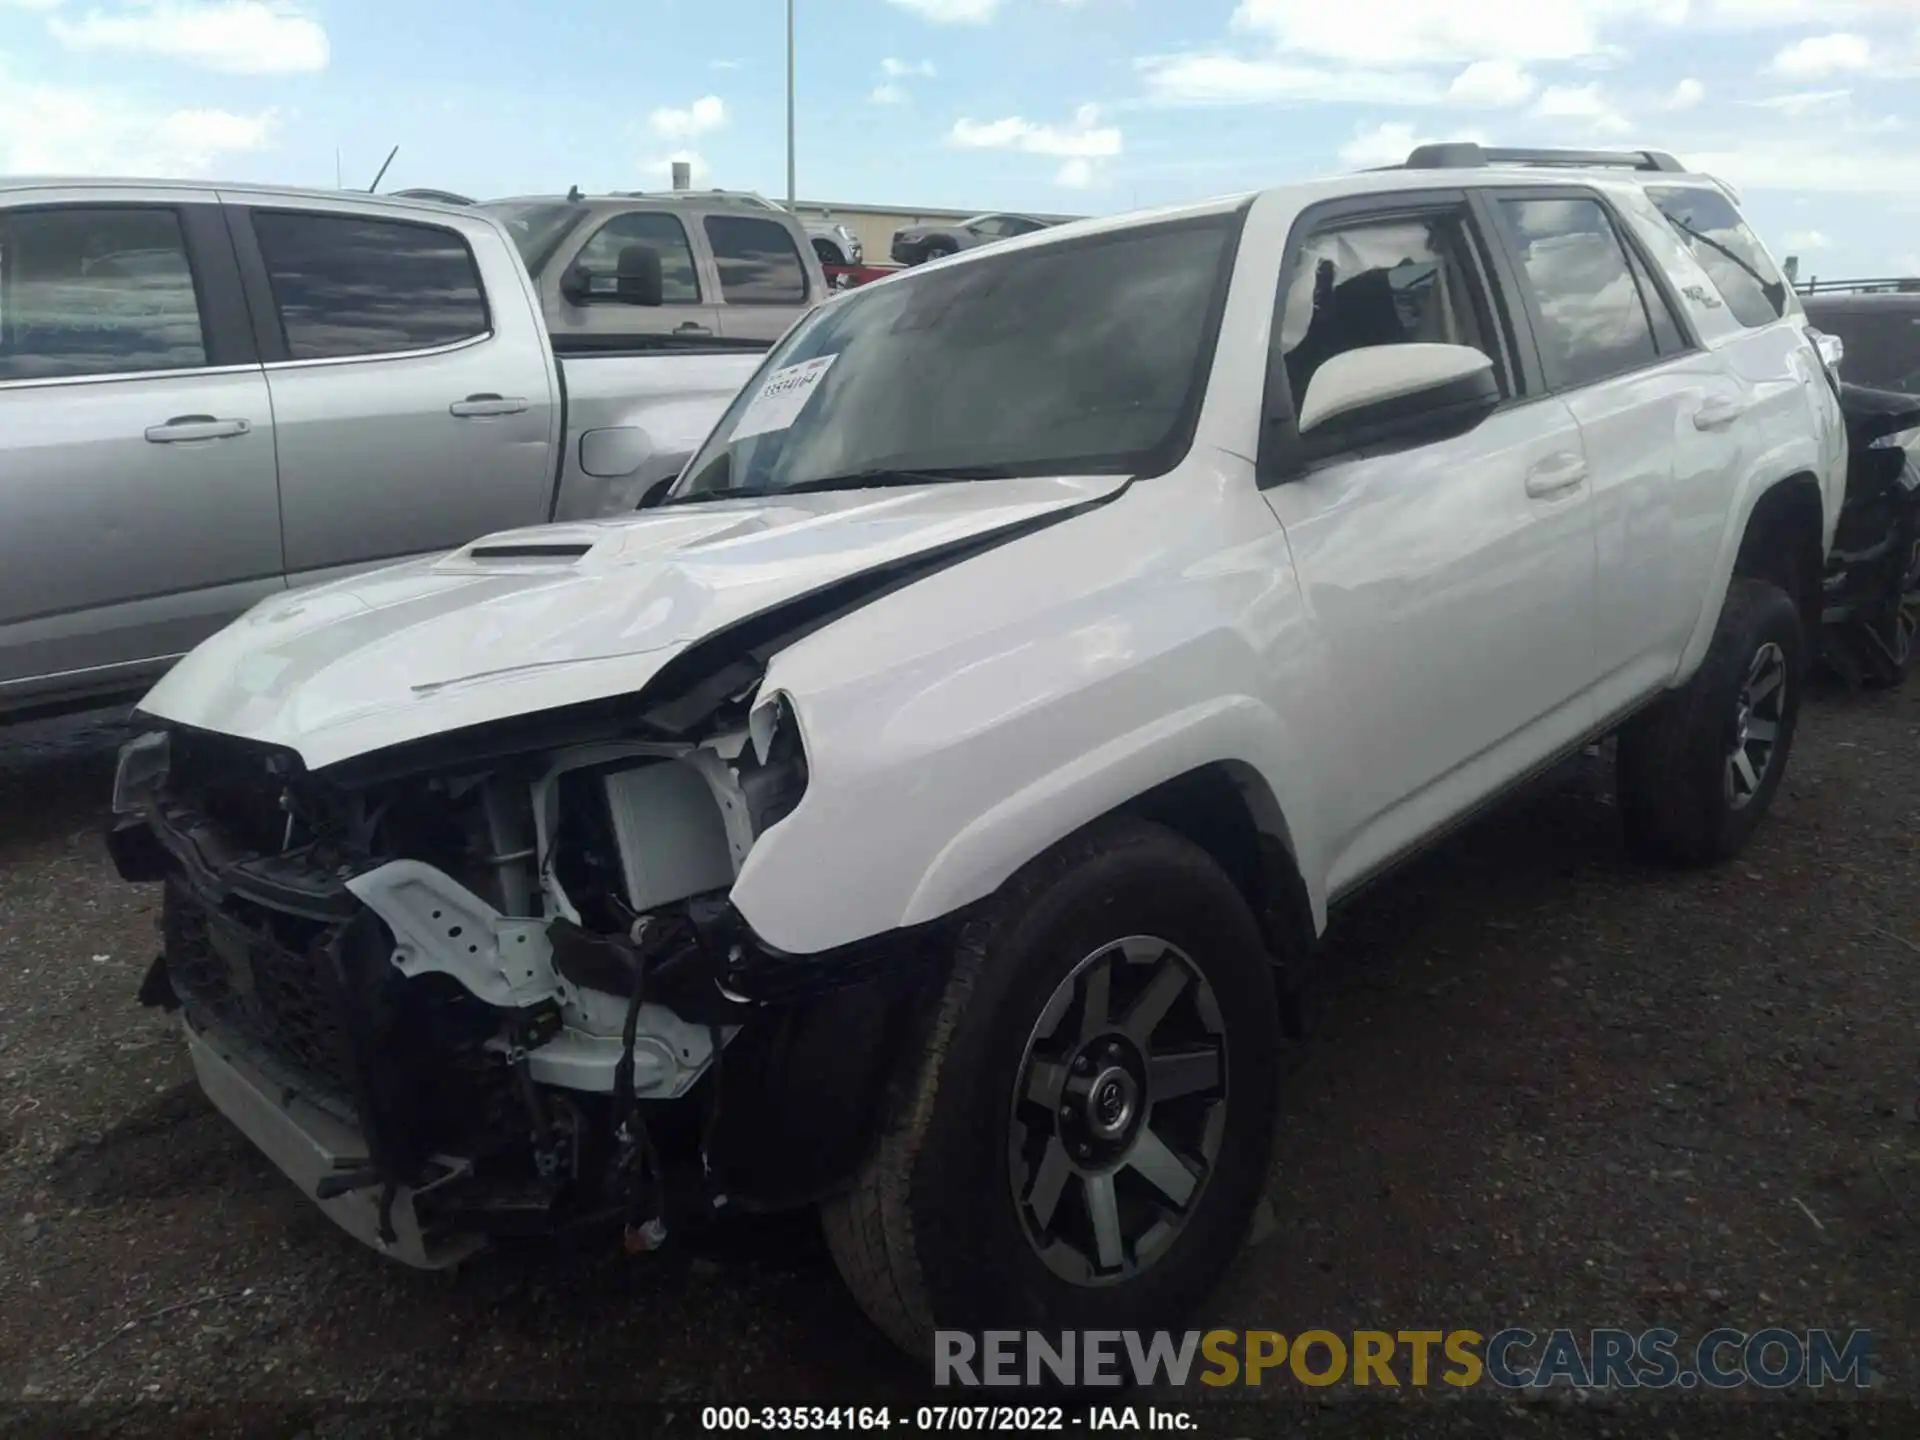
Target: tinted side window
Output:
[(679, 282), (1390, 282), (95, 292), (758, 264), (1883, 341), (1592, 323), (345, 285), (1727, 251)]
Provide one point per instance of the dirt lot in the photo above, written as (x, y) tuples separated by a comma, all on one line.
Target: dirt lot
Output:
[(1545, 1087)]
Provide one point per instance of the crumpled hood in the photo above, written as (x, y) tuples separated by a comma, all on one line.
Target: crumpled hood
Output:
[(534, 619)]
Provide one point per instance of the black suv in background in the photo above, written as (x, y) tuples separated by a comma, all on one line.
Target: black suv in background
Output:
[(1871, 633)]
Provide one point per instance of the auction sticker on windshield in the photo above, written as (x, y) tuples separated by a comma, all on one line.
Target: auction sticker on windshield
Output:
[(779, 402)]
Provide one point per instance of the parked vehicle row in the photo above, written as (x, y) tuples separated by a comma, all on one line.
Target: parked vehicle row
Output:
[(919, 243), (927, 806), (211, 394)]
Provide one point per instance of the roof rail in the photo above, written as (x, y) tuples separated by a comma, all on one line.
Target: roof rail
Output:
[(1465, 155), (1896, 285)]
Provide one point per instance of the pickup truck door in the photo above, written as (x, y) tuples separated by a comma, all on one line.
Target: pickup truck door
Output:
[(1660, 417), (688, 290), (138, 511), (764, 284), (1450, 583), (413, 389)]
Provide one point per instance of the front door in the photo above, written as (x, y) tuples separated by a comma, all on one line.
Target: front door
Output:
[(1451, 584), (138, 510), (687, 307)]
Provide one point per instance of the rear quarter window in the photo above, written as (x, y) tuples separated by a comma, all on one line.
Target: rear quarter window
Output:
[(1882, 341), (1728, 250)]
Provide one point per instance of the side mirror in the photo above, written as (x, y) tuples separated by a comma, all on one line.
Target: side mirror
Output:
[(576, 284), (636, 276), (1392, 388)]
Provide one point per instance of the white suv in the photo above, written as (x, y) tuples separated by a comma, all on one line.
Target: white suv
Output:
[(926, 809)]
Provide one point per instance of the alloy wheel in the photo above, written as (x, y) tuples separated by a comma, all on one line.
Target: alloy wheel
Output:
[(1758, 715), (1118, 1111)]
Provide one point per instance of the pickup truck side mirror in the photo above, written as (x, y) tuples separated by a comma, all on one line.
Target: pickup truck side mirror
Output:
[(1390, 391), (636, 276), (636, 280)]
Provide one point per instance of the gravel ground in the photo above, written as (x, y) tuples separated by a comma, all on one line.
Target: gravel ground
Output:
[(1545, 1087)]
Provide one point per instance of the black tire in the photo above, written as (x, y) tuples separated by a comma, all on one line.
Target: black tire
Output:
[(930, 1235), (939, 250), (1676, 800)]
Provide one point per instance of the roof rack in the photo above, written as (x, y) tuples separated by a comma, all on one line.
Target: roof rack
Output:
[(735, 197), (1897, 285), (1465, 155)]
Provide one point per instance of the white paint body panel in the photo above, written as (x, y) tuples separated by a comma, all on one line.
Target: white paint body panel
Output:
[(1371, 651)]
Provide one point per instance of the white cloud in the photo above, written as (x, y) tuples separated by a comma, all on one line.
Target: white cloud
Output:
[(1805, 163), (1214, 79), (1687, 94), (724, 64), (888, 94), (1820, 55), (951, 12), (1084, 138), (30, 4), (1390, 32), (709, 112), (1491, 84), (1804, 102), (1586, 103), (242, 37), (1798, 240), (1078, 173), (900, 69), (46, 129), (1390, 144)]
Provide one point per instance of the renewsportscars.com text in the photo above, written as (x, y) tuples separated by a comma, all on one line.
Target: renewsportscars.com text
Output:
[(1772, 1358)]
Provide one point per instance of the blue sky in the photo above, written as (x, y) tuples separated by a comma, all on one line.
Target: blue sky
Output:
[(1810, 107)]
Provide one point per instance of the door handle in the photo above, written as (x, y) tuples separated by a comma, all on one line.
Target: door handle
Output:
[(183, 428), (480, 406), (1718, 414), (691, 327), (1555, 474)]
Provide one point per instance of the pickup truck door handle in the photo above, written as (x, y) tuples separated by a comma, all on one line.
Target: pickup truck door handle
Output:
[(483, 405), (691, 327), (1718, 414), (1555, 474), (183, 428)]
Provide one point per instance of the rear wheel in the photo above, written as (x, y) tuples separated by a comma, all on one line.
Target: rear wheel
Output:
[(940, 249), (1084, 1140), (1697, 771)]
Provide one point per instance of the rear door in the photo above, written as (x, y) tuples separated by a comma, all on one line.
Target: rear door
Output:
[(1658, 417), (414, 399), (138, 510), (763, 282), (688, 305)]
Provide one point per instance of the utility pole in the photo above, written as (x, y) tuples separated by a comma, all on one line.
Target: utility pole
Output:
[(789, 102)]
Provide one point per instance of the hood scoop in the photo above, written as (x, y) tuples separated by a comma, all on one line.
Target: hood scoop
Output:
[(531, 550)]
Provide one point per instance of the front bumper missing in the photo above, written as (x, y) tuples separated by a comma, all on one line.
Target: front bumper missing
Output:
[(309, 1145)]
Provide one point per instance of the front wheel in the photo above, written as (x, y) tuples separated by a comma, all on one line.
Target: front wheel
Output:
[(1084, 1140), (1697, 771)]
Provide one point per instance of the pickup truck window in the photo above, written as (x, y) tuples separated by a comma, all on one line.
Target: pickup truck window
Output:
[(1391, 282), (1727, 250), (679, 282), (103, 291), (1086, 358), (1592, 321), (345, 285), (758, 262), (536, 227)]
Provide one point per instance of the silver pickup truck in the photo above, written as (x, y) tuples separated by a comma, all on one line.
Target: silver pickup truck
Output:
[(209, 394)]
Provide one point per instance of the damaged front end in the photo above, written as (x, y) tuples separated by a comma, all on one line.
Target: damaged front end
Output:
[(495, 985)]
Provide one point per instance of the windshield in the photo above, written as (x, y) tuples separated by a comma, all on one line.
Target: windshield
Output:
[(1080, 358), (536, 227)]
